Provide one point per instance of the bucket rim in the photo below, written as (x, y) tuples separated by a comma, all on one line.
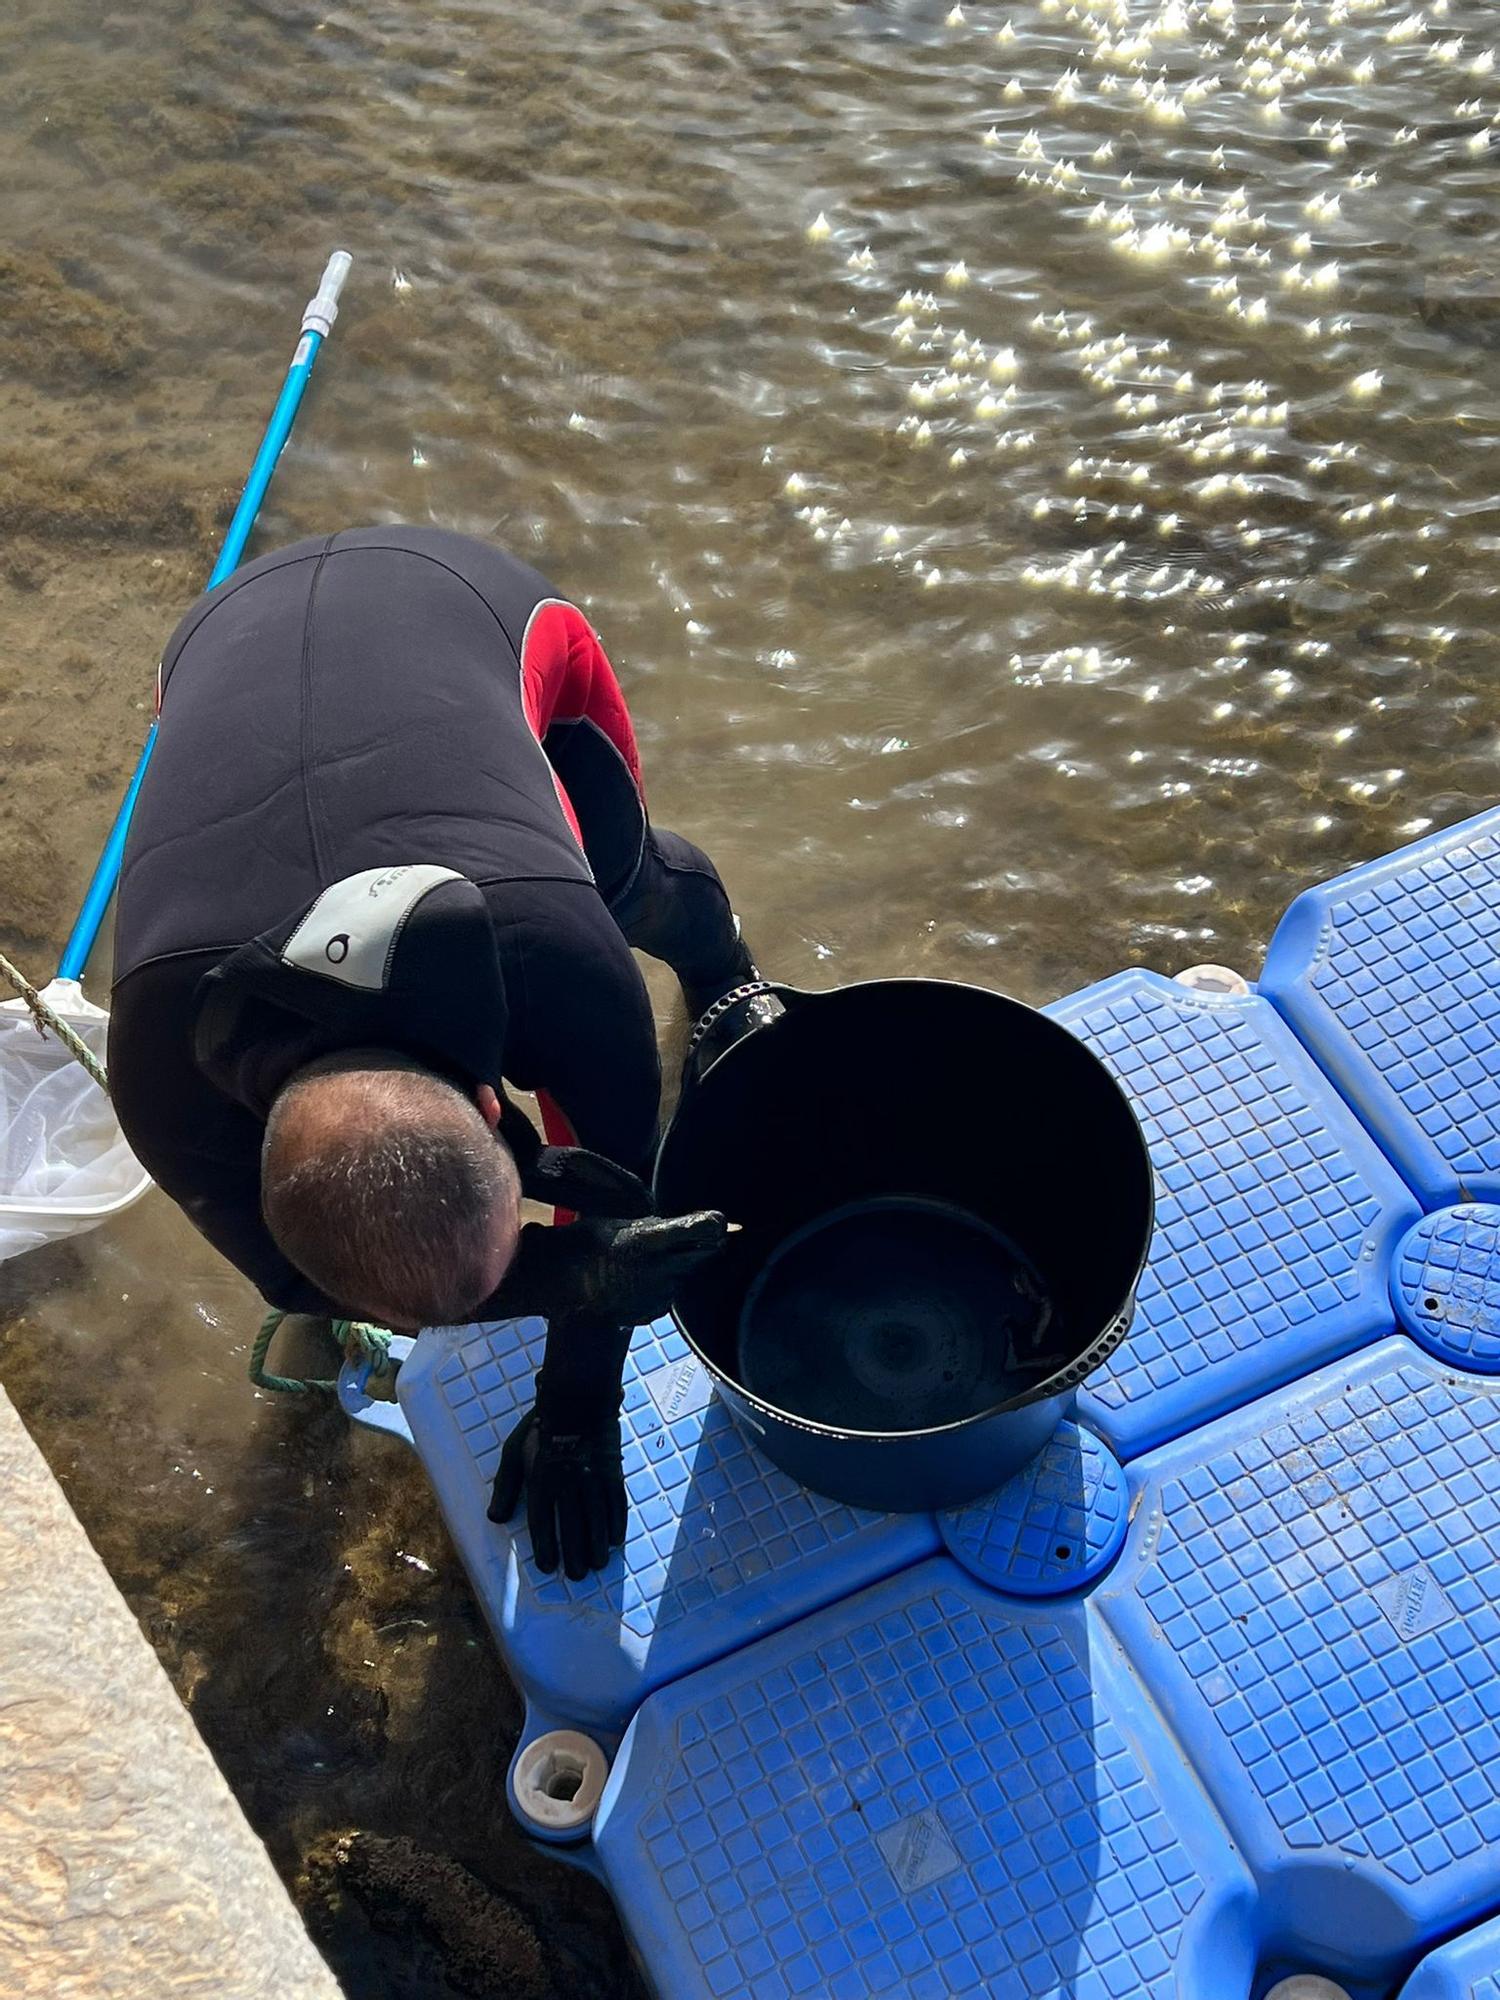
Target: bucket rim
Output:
[(798, 995)]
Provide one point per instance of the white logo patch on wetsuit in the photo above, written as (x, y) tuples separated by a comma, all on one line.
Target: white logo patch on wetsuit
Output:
[(351, 932)]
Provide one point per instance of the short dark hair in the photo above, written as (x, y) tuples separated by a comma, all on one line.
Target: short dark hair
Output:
[(382, 1183)]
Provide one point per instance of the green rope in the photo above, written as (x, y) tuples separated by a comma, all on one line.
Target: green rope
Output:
[(50, 1023), (359, 1340)]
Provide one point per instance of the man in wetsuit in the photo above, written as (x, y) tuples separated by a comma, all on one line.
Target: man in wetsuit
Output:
[(391, 848)]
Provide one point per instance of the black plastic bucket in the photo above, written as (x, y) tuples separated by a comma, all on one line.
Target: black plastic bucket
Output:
[(946, 1203)]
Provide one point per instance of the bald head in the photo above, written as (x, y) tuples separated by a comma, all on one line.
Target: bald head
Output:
[(384, 1185)]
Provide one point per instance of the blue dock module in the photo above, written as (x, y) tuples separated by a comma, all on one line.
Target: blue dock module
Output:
[(1466, 1969), (927, 1790), (1310, 1598), (721, 1546), (1276, 1212), (1391, 976)]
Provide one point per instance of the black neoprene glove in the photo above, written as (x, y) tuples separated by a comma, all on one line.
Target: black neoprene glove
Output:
[(564, 1454), (604, 1271)]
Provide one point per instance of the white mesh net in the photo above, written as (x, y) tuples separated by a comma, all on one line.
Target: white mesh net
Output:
[(64, 1163)]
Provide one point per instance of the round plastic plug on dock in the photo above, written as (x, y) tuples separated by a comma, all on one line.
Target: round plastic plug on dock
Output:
[(559, 1779), (1220, 980)]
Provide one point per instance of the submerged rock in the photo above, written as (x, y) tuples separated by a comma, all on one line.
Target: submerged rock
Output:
[(134, 503), (1462, 298), (59, 334), (487, 1948)]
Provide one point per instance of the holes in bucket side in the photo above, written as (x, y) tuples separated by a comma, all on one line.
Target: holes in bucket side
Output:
[(1064, 1550), (1433, 1305)]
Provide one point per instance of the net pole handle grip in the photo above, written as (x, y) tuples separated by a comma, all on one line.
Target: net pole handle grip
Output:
[(323, 307)]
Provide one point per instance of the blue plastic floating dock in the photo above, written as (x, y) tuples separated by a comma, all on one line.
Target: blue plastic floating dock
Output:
[(1276, 1212), (1391, 976), (721, 1547), (1311, 1600), (1208, 1695), (924, 1790), (1467, 1969), (932, 1787)]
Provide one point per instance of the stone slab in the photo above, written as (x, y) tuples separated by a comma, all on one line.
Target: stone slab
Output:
[(126, 1867)]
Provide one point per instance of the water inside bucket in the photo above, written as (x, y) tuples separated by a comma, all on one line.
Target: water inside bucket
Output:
[(896, 1314)]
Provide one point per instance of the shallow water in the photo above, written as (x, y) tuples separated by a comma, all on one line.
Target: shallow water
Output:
[(1032, 469)]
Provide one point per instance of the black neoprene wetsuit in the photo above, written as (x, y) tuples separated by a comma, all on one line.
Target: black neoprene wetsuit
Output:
[(395, 801)]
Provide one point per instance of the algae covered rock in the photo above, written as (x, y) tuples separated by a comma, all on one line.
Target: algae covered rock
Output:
[(486, 1947), (59, 333)]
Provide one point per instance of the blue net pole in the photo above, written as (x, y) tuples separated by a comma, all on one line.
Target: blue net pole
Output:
[(317, 323)]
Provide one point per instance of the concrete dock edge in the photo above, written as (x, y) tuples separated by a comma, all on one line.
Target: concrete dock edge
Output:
[(127, 1869)]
